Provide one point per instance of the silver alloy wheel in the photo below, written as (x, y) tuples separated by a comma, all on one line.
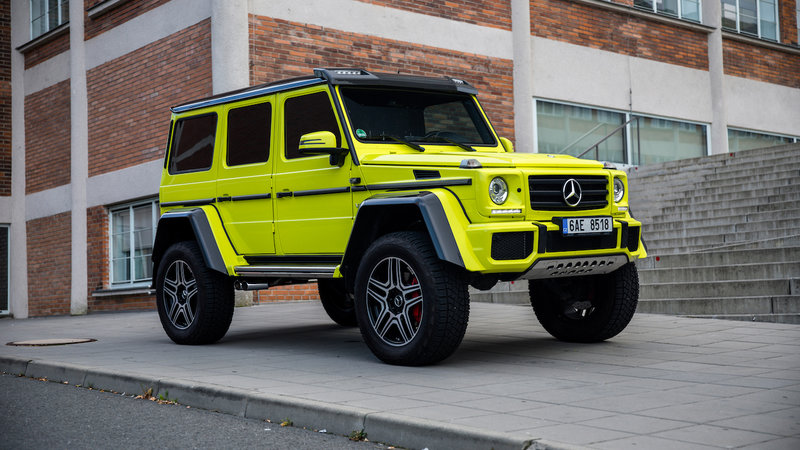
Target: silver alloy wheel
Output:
[(394, 301), (180, 299)]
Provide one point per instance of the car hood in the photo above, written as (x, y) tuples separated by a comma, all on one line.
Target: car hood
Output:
[(454, 159)]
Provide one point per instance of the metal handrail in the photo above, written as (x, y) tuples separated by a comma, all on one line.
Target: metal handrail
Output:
[(564, 150), (596, 146)]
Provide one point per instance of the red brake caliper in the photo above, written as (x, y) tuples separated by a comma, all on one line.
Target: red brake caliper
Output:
[(416, 310)]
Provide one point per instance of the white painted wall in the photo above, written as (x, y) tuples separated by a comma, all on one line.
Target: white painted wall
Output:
[(762, 106)]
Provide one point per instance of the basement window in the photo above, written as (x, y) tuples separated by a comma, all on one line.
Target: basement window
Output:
[(47, 15), (682, 9), (5, 257), (131, 228), (739, 140)]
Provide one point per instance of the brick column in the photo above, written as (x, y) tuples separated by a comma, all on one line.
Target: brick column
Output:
[(712, 16), (79, 157), (230, 58)]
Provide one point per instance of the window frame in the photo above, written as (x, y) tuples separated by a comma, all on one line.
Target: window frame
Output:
[(46, 15), (628, 130), (7, 229), (155, 211), (758, 35), (655, 10)]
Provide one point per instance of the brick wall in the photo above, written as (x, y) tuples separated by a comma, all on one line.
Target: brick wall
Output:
[(129, 98), (47, 138), (116, 16), (5, 98), (97, 248), (49, 265), (591, 26), (46, 51), (281, 49), (488, 13), (788, 21), (286, 293), (754, 62)]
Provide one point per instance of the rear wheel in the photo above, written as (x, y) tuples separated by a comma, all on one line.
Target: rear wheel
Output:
[(195, 303), (586, 309), (412, 308), (338, 303)]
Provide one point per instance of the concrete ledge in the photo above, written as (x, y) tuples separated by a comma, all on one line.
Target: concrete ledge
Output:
[(123, 383), (206, 396), (56, 371), (306, 413), (14, 365)]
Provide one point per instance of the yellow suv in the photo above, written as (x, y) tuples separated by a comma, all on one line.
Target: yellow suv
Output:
[(395, 194)]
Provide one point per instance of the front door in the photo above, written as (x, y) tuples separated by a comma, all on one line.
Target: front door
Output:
[(313, 204), (244, 183)]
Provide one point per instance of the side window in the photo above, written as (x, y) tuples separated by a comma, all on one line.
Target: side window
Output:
[(307, 114), (249, 130), (193, 144)]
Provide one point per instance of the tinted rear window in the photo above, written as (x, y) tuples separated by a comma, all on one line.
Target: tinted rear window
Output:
[(193, 144)]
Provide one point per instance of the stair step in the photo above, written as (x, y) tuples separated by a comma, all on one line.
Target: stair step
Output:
[(706, 242), (716, 289), (720, 258), (759, 304), (770, 318), (639, 192), (780, 210), (752, 271), (673, 230)]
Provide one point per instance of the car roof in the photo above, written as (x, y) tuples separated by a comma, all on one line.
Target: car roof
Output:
[(340, 76)]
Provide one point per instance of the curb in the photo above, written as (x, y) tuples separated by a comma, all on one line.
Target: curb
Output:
[(391, 428)]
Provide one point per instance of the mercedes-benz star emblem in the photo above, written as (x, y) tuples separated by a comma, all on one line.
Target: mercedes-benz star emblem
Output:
[(572, 192)]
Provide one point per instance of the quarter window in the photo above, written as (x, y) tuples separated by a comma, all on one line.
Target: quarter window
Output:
[(683, 9), (193, 144), (47, 15), (131, 243), (307, 114), (249, 130), (758, 18)]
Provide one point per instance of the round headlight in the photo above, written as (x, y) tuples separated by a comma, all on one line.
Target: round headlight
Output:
[(619, 190), (498, 190)]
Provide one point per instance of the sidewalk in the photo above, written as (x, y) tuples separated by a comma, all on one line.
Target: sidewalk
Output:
[(665, 382)]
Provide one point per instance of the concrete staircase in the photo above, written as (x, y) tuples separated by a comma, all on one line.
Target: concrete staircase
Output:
[(723, 235)]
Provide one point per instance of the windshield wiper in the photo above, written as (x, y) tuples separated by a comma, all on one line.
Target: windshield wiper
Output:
[(400, 140), (451, 141)]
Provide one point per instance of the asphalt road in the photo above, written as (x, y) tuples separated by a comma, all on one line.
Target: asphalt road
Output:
[(38, 414)]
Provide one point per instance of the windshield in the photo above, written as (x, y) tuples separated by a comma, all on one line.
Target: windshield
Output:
[(394, 115)]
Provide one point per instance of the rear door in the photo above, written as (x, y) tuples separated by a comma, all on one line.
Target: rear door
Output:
[(244, 185)]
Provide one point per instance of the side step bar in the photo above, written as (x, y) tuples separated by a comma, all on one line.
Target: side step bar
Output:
[(286, 271)]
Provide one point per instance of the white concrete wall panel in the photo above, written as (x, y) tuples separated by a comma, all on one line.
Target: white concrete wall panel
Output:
[(389, 23), (760, 106), (140, 181)]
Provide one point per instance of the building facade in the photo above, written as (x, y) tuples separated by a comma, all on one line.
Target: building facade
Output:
[(86, 86)]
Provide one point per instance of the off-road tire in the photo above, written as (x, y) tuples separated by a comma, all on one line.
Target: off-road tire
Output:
[(209, 297), (338, 303), (442, 288), (613, 298)]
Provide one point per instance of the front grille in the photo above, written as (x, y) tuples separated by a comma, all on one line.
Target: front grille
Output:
[(556, 242), (514, 245), (547, 195)]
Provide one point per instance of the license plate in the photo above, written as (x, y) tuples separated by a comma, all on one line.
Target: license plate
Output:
[(571, 226)]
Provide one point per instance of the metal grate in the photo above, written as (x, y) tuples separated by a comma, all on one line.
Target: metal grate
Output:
[(514, 245), (547, 192)]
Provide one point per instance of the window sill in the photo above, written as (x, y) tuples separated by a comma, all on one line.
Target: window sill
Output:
[(127, 290), (647, 15), (734, 36), (45, 38), (104, 6)]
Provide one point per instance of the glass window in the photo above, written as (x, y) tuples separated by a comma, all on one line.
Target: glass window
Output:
[(249, 131), (571, 129), (193, 144), (757, 18), (4, 268), (307, 114), (657, 140), (47, 15), (415, 116), (131, 244), (747, 140), (647, 140), (684, 9)]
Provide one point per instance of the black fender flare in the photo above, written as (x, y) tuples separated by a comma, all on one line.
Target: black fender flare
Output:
[(370, 213), (176, 226)]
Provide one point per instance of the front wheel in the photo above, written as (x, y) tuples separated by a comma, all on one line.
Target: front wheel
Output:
[(412, 308), (586, 309), (195, 303)]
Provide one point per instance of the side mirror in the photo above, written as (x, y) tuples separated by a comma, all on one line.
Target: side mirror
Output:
[(507, 145), (322, 143)]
